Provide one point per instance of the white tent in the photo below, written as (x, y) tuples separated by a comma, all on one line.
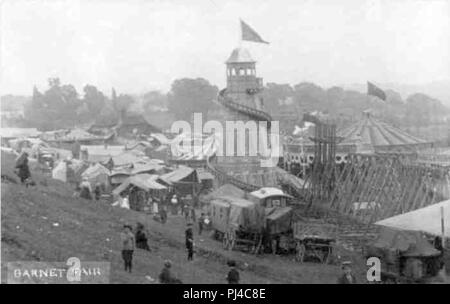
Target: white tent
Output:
[(427, 219), (60, 172)]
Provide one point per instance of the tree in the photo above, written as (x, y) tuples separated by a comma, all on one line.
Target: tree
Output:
[(275, 95), (94, 100), (154, 100), (189, 96), (123, 102), (56, 108)]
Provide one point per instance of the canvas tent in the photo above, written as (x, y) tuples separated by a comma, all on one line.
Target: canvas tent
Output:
[(144, 181), (120, 175), (96, 174), (180, 174), (60, 172), (225, 190), (407, 243), (427, 219), (100, 153)]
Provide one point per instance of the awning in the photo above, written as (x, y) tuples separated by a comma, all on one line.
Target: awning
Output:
[(427, 219), (179, 174)]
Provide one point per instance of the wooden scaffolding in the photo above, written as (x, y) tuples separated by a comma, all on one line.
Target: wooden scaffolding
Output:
[(374, 187)]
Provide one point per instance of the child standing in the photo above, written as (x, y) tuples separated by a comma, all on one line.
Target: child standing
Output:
[(128, 244)]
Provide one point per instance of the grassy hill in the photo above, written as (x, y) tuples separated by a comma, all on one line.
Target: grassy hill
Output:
[(46, 223)]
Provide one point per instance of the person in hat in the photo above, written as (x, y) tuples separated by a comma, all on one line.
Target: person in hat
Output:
[(141, 237), (128, 244), (85, 189), (97, 191), (189, 241), (201, 223), (174, 204), (347, 276), (166, 277), (233, 274), (23, 171)]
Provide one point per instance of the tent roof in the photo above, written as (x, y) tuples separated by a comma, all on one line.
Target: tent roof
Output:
[(427, 219), (95, 170), (138, 168), (19, 132), (102, 150), (127, 159), (409, 243), (243, 203), (143, 181), (266, 192), (79, 134), (225, 190), (178, 174), (371, 131)]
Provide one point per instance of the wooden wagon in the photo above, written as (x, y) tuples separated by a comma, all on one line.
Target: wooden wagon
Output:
[(237, 222), (313, 240)]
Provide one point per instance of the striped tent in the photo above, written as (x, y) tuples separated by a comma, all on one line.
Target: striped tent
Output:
[(380, 136)]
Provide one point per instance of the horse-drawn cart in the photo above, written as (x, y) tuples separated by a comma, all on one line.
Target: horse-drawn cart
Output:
[(237, 222), (313, 240)]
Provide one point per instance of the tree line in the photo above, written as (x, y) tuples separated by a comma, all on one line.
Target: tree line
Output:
[(61, 106)]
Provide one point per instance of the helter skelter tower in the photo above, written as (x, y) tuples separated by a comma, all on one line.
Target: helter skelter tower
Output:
[(241, 101)]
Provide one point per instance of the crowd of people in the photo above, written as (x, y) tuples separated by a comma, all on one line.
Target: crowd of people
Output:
[(139, 240)]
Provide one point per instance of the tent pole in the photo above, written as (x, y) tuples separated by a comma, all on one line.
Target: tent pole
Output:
[(443, 235), (442, 228)]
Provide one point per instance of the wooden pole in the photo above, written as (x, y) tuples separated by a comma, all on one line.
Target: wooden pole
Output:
[(442, 228)]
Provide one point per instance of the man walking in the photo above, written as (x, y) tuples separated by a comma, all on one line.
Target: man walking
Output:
[(128, 244), (190, 241)]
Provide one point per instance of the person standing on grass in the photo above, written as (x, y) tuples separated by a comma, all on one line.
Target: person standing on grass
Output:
[(163, 214), (201, 222), (347, 276), (141, 237), (23, 171), (190, 241), (128, 245), (233, 275)]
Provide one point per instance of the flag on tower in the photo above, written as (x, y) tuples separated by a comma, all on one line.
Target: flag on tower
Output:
[(249, 34), (375, 91)]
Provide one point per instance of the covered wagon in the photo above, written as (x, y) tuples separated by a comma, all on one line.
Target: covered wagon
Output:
[(237, 222)]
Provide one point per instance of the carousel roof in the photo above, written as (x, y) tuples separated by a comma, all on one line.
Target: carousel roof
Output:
[(377, 133)]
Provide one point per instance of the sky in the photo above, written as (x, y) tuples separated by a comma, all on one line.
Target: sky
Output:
[(141, 45)]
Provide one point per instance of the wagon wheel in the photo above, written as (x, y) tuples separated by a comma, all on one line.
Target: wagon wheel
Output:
[(327, 256), (300, 250), (225, 241), (258, 243), (232, 239)]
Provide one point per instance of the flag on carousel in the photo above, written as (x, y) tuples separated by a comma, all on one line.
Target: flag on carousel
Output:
[(373, 90), (249, 34)]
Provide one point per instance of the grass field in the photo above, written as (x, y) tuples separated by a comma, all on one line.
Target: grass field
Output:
[(46, 223)]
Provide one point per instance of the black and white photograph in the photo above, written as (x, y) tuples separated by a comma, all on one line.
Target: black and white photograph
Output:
[(206, 142)]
